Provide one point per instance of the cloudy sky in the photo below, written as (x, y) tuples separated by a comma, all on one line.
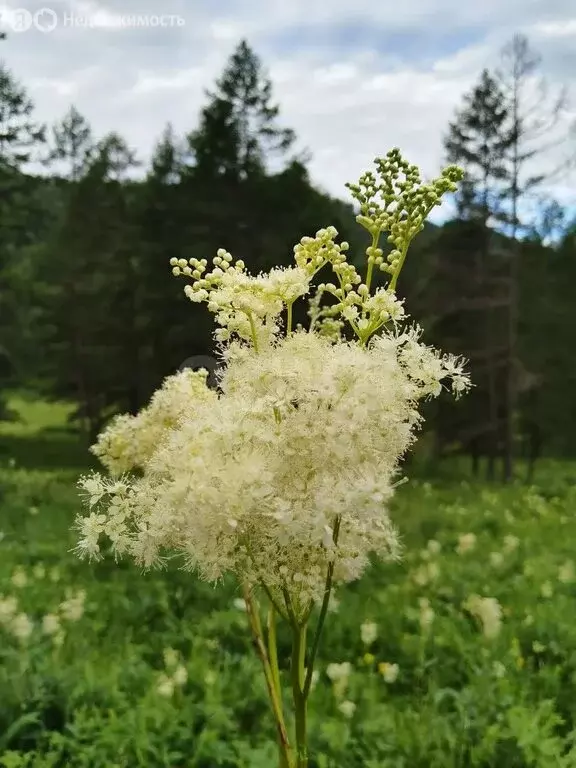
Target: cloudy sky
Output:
[(353, 77)]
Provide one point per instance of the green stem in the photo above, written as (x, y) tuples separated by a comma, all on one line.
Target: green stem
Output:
[(375, 239), (275, 700), (323, 612), (274, 602), (253, 331), (273, 651), (273, 656), (300, 698), (289, 318)]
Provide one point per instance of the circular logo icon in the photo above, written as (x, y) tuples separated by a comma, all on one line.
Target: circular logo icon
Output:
[(19, 20), (46, 20)]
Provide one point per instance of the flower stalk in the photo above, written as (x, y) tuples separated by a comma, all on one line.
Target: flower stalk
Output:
[(283, 476)]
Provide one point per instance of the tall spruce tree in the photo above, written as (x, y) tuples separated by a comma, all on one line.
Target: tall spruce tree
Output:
[(72, 144), (538, 123), (479, 139), (238, 128), (20, 136)]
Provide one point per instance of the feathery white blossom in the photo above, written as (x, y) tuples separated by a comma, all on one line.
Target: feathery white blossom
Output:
[(285, 474)]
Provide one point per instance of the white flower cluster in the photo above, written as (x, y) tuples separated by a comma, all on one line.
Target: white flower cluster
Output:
[(488, 611), (304, 434), (129, 441), (284, 476)]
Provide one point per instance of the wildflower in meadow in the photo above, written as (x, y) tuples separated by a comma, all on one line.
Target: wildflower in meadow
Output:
[(488, 611), (347, 708), (426, 614), (566, 573), (339, 675), (511, 543), (389, 671), (165, 686), (499, 669), (51, 624), (39, 571), (72, 609), (171, 658), (284, 476), (21, 627), (239, 603), (180, 675), (466, 542), (8, 608), (19, 578), (368, 632), (434, 547)]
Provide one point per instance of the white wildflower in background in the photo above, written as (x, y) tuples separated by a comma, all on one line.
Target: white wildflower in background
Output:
[(51, 624), (210, 678), (34, 510), (566, 573), (39, 571), (426, 574), (339, 675), (21, 626), (389, 671), (496, 559), (499, 669), (347, 708), (180, 675), (547, 590), (19, 578), (171, 658), (8, 608), (426, 614), (368, 632), (488, 611), (165, 685), (72, 609), (466, 542), (239, 603), (434, 547), (511, 543)]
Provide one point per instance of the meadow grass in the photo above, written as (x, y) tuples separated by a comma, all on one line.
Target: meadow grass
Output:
[(95, 693)]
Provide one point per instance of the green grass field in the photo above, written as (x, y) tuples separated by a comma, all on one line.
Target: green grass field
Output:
[(88, 686)]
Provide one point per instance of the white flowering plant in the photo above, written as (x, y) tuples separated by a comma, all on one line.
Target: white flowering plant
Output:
[(282, 477)]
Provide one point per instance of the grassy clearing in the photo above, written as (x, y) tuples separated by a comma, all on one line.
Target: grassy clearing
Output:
[(94, 693)]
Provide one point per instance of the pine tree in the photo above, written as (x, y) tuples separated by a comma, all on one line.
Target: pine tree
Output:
[(238, 129), (478, 140), (89, 289), (537, 125), (20, 135), (72, 144)]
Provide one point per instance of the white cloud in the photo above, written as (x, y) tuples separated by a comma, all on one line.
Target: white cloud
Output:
[(352, 78)]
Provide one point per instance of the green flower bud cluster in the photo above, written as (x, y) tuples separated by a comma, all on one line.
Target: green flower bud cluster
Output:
[(312, 253), (396, 201), (204, 282)]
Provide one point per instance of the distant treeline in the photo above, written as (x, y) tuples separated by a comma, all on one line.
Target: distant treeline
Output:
[(89, 309)]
